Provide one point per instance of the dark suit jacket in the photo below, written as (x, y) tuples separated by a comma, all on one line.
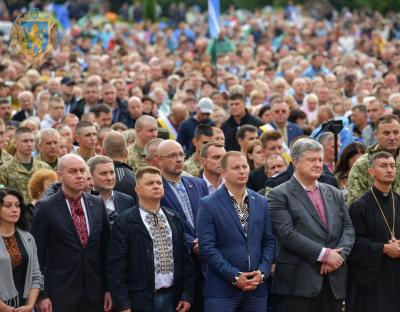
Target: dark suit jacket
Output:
[(130, 262), (230, 128), (125, 179), (225, 248), (293, 131), (257, 179), (79, 108), (196, 189), (68, 268), (20, 115), (302, 235), (326, 177), (123, 202)]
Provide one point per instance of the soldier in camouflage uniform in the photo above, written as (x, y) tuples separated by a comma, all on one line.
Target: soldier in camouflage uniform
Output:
[(4, 156), (48, 141), (16, 172), (146, 130), (388, 137), (202, 135), (192, 166)]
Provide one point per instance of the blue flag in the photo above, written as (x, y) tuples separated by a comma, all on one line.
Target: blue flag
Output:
[(213, 17)]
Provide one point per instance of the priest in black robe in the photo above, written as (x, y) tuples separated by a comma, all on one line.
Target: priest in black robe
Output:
[(374, 263)]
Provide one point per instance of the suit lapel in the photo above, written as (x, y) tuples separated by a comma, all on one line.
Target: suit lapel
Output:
[(193, 197), (138, 222), (226, 201), (66, 216), (252, 215), (302, 196), (328, 200), (90, 213)]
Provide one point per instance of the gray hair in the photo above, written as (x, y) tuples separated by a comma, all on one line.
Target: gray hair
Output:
[(325, 137), (304, 145), (63, 159), (96, 160), (149, 145), (45, 133)]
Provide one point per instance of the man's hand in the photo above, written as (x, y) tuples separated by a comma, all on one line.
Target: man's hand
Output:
[(326, 269), (196, 247), (254, 282), (334, 259), (107, 302), (24, 308), (246, 281), (183, 306), (44, 305), (392, 249)]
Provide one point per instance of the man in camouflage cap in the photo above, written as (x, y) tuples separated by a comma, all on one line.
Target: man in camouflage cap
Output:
[(202, 135), (146, 130), (387, 133), (16, 172)]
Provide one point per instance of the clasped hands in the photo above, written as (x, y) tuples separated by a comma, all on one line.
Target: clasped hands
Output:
[(249, 281), (333, 262), (392, 249)]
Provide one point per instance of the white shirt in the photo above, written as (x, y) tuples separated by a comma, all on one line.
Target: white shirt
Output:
[(84, 211), (160, 280), (109, 202), (210, 187)]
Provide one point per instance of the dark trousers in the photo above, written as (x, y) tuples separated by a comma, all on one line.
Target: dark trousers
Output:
[(84, 305), (324, 302), (245, 302)]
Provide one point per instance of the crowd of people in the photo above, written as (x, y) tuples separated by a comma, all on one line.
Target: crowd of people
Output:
[(147, 167)]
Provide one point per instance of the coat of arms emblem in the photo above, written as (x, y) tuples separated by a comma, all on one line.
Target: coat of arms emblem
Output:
[(33, 36)]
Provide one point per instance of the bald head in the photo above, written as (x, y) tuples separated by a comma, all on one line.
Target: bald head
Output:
[(65, 161), (166, 146), (114, 145), (146, 130)]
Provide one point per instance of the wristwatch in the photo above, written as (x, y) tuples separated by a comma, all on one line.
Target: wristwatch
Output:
[(236, 278), (262, 276)]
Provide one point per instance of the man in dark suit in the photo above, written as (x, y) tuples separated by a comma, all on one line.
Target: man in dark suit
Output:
[(91, 97), (315, 234), (183, 194), (236, 242), (103, 176), (26, 103), (148, 266), (71, 230)]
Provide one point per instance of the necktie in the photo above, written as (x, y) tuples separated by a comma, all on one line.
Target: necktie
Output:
[(78, 217)]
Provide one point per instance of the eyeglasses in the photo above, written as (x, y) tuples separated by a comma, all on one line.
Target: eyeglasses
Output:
[(175, 156)]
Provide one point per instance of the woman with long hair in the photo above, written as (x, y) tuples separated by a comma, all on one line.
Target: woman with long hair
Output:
[(21, 279)]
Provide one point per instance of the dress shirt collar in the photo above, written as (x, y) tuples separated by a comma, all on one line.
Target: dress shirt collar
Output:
[(211, 187), (245, 195), (316, 184)]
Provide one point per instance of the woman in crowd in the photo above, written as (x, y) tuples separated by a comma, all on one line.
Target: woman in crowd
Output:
[(346, 160), (21, 279), (255, 156)]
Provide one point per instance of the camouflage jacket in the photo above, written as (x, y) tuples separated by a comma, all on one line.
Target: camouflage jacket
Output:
[(136, 157), (14, 174), (192, 166), (4, 156), (359, 180), (53, 166)]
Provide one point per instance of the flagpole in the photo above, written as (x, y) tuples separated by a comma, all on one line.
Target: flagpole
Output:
[(214, 29)]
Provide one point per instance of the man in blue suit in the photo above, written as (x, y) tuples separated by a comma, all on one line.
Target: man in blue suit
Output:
[(183, 194), (236, 242)]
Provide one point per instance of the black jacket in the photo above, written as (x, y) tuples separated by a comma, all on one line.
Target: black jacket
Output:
[(125, 179), (20, 115), (257, 179), (326, 177), (130, 262), (79, 108), (230, 128), (69, 269)]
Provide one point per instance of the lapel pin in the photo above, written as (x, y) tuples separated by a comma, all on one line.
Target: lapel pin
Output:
[(190, 186)]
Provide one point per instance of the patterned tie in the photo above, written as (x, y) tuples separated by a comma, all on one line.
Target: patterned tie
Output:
[(78, 218)]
